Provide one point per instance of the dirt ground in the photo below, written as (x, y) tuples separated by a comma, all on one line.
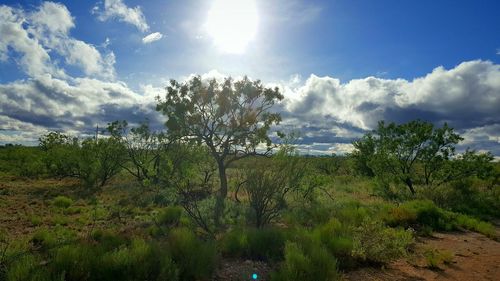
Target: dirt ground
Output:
[(475, 257)]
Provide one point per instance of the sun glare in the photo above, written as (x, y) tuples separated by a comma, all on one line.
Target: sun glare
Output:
[(232, 24)]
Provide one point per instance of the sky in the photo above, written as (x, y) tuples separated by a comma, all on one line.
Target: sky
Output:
[(342, 65)]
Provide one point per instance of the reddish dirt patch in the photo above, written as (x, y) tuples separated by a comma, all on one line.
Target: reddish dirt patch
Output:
[(476, 257), (242, 270)]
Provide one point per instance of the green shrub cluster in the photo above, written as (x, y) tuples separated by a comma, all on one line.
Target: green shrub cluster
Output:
[(425, 216), (258, 244), (307, 263), (62, 202), (196, 259)]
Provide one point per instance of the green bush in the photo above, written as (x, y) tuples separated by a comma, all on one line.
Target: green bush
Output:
[(196, 259), (35, 220), (337, 238), (44, 239), (138, 260), (312, 263), (26, 268), (476, 225), (266, 243), (257, 244), (434, 258), (234, 243), (374, 242), (62, 202), (107, 239), (169, 216), (421, 214)]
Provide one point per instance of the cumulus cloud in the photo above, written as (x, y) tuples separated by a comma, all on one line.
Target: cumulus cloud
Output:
[(116, 9), (34, 35), (155, 36), (49, 98), (466, 96)]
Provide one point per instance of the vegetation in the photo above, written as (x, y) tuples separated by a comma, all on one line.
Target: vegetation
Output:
[(138, 204)]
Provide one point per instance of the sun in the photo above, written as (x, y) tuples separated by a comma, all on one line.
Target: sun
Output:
[(232, 24)]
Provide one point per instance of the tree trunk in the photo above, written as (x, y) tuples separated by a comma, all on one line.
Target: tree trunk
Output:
[(221, 196), (409, 183)]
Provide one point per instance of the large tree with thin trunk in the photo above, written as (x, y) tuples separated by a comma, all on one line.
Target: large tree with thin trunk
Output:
[(232, 118)]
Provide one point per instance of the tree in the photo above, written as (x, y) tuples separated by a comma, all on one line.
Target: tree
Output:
[(267, 185), (231, 118), (145, 150), (399, 149), (364, 149)]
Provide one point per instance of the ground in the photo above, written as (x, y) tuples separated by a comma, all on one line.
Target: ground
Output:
[(475, 257)]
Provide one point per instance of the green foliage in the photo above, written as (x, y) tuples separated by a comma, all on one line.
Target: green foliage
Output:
[(364, 150), (169, 216), (44, 239), (26, 268), (258, 244), (337, 238), (265, 244), (230, 118), (268, 185), (397, 150), (195, 259), (374, 242), (107, 239), (62, 202), (35, 220), (22, 161), (301, 263), (435, 258), (426, 216), (138, 260)]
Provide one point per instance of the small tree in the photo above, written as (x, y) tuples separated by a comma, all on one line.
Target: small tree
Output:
[(268, 184), (397, 150), (364, 149), (145, 150), (231, 118)]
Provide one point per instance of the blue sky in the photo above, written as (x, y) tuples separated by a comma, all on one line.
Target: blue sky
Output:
[(341, 64)]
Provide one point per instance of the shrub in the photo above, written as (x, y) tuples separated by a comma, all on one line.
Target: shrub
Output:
[(374, 242), (421, 213), (26, 268), (196, 259), (107, 239), (337, 239), (434, 258), (476, 225), (306, 263), (169, 216), (234, 243), (138, 260), (266, 243), (258, 244), (44, 239), (62, 202), (35, 220)]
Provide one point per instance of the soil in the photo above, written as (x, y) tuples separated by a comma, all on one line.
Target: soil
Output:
[(475, 257)]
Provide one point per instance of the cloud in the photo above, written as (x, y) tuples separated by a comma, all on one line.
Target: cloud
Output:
[(35, 36), (116, 9), (466, 96), (48, 98), (155, 36)]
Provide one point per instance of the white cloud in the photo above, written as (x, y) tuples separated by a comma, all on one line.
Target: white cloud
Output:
[(465, 95), (34, 59), (35, 36), (155, 36), (117, 9)]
